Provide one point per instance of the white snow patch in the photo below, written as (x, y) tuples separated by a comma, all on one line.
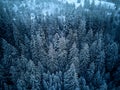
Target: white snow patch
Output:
[(14, 19), (49, 8), (105, 4), (32, 16), (109, 13), (15, 8), (97, 2), (75, 2), (62, 18), (71, 1), (87, 10)]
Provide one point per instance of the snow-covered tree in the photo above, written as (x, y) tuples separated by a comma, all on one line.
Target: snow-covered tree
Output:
[(100, 61), (82, 84), (97, 52), (32, 76), (84, 58), (87, 3), (116, 75), (52, 59), (14, 74), (21, 84), (62, 53), (90, 72), (111, 55), (59, 45), (71, 79), (89, 37), (38, 49), (82, 31), (20, 64), (56, 41), (16, 34), (52, 81), (97, 79), (74, 56), (9, 54)]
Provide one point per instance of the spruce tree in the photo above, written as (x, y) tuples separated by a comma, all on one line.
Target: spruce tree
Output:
[(71, 79)]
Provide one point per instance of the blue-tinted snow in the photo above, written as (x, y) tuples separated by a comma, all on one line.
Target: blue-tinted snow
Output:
[(50, 8), (97, 2)]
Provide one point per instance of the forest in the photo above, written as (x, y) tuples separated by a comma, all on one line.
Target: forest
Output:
[(59, 45)]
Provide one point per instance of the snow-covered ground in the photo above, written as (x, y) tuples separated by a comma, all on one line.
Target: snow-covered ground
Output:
[(82, 3), (49, 8), (105, 4)]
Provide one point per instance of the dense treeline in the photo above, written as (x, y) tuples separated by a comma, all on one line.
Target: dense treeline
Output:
[(71, 49)]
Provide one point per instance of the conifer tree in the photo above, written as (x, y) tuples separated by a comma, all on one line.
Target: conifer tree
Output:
[(62, 53), (74, 57), (111, 55), (90, 72), (52, 59), (82, 84), (71, 79), (84, 58)]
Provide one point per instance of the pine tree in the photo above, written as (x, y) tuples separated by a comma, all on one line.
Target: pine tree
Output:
[(116, 75), (97, 81), (82, 31), (30, 69), (35, 82), (16, 34), (33, 48), (96, 47), (71, 79), (56, 41), (57, 81), (26, 48), (100, 61), (111, 55), (97, 52), (21, 84), (9, 54), (52, 81), (74, 56), (89, 37), (32, 76), (14, 74), (1, 49), (52, 59), (82, 84), (92, 7), (20, 64), (90, 72), (70, 38), (103, 86), (46, 80), (38, 49), (84, 58), (87, 3), (62, 54)]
